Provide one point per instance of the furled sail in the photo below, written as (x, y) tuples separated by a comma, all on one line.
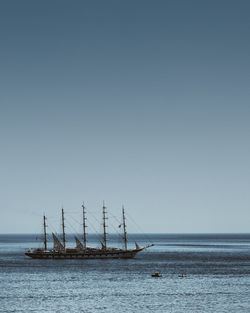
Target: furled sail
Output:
[(79, 245), (57, 243)]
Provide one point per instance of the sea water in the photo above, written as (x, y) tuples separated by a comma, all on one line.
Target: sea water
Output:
[(216, 268)]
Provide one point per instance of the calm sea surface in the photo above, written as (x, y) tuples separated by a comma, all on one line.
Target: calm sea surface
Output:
[(217, 269)]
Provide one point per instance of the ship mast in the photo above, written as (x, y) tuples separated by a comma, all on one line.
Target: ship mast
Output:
[(124, 229), (104, 226), (44, 233), (84, 226), (63, 230)]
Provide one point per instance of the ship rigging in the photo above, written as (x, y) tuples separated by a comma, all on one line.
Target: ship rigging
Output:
[(81, 250)]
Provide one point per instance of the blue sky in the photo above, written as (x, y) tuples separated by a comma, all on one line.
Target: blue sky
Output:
[(141, 103)]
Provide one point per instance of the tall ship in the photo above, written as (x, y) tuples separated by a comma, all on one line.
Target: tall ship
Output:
[(81, 250)]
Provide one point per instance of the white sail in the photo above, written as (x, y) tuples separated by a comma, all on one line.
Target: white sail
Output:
[(79, 245), (137, 246), (57, 243)]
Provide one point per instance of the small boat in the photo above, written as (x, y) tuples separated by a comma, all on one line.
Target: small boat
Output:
[(156, 274), (182, 275)]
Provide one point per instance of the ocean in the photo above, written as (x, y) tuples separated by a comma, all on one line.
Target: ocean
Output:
[(216, 268)]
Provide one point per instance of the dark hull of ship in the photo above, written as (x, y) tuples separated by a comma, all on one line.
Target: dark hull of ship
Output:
[(99, 254)]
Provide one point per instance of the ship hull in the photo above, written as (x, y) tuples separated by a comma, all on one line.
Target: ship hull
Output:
[(128, 254)]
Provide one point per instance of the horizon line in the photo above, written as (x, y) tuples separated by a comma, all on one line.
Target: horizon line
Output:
[(152, 233)]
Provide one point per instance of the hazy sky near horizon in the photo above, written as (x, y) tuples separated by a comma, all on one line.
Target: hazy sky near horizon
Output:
[(141, 103)]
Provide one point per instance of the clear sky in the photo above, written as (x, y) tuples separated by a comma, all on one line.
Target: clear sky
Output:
[(136, 102)]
